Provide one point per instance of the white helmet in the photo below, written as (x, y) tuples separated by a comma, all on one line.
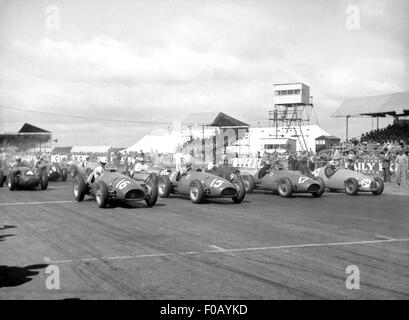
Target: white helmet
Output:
[(103, 160)]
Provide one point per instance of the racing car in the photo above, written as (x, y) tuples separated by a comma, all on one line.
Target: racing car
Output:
[(74, 168), (112, 186), (23, 177), (56, 172), (340, 179), (284, 182), (199, 185)]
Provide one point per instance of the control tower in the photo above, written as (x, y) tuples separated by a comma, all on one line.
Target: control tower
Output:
[(292, 110)]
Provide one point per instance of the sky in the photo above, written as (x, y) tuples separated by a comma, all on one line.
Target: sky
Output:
[(158, 61)]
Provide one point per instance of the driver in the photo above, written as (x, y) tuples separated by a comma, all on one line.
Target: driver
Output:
[(139, 165), (17, 163), (265, 169), (212, 166), (98, 170), (84, 162), (186, 167)]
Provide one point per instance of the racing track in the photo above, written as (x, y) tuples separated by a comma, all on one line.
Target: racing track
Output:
[(266, 248)]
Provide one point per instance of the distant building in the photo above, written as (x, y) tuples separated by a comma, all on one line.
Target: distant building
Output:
[(326, 142), (28, 139)]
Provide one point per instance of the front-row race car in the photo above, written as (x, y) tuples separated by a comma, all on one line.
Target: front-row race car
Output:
[(112, 186), (282, 181), (56, 172), (23, 177), (352, 182), (200, 185)]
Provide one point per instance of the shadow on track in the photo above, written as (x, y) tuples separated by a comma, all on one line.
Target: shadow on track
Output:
[(4, 236), (11, 276)]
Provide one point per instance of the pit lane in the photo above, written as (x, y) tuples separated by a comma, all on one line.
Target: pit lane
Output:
[(268, 247)]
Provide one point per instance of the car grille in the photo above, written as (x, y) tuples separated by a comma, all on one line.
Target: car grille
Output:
[(135, 195), (229, 192), (314, 188)]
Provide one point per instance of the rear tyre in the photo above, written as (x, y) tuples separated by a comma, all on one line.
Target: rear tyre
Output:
[(164, 187), (101, 194), (196, 191), (153, 192), (285, 188), (64, 174), (320, 192), (351, 186), (241, 191), (73, 172), (79, 188), (248, 182), (43, 180), (379, 186)]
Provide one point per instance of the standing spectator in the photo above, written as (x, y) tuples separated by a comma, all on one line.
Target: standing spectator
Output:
[(401, 164), (386, 165), (303, 163), (351, 160)]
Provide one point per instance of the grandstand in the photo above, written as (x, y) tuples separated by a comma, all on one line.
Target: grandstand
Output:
[(393, 105), (396, 132), (28, 139)]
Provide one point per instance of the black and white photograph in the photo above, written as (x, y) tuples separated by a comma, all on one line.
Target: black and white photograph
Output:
[(214, 151)]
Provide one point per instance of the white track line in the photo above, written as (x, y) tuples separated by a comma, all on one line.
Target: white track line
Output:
[(36, 202), (153, 255)]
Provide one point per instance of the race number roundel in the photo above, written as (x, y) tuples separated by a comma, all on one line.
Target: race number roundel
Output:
[(122, 184)]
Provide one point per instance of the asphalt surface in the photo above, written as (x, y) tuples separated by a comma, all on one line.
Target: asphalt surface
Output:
[(267, 247)]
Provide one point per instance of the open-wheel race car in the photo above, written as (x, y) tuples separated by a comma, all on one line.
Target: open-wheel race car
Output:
[(56, 172), (284, 182), (349, 181), (23, 177), (199, 185), (112, 186)]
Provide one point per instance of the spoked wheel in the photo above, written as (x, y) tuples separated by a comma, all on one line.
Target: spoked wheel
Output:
[(248, 182), (164, 186), (379, 186), (152, 187), (351, 186), (79, 188), (196, 192), (101, 194), (285, 188), (241, 191)]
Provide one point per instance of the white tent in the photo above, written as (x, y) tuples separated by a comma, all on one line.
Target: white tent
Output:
[(90, 149), (166, 143)]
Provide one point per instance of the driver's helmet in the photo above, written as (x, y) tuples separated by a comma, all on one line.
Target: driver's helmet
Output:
[(87, 157), (333, 163), (211, 166), (188, 164), (18, 158), (103, 160), (267, 164)]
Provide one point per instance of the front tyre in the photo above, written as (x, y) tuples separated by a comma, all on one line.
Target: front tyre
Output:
[(321, 190), (351, 186), (11, 181), (79, 188), (285, 188), (164, 187), (44, 180), (153, 192), (241, 191), (101, 194), (64, 174), (248, 182), (379, 186), (196, 192)]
